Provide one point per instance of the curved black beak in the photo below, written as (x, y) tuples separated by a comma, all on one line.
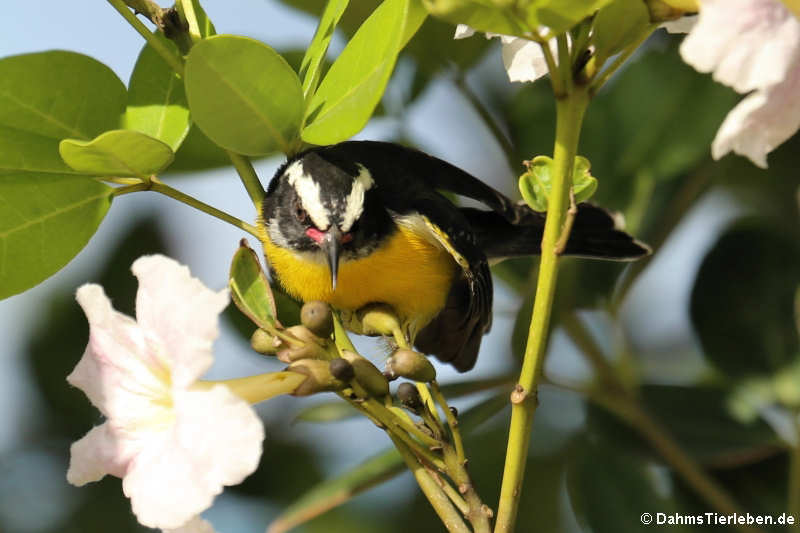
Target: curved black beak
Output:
[(331, 244)]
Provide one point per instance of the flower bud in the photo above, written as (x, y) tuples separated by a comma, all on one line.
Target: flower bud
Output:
[(317, 317), (264, 343), (342, 370), (367, 374), (410, 364), (319, 377), (409, 396), (378, 319), (310, 349)]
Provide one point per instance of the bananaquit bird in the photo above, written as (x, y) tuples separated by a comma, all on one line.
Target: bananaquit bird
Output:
[(363, 222)]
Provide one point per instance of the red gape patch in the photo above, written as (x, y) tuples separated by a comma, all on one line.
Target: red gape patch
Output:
[(317, 235)]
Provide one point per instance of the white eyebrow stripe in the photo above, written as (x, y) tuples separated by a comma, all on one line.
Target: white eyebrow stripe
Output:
[(309, 193), (355, 200)]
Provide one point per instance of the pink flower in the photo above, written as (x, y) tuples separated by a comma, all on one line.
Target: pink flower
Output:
[(175, 445), (754, 47)]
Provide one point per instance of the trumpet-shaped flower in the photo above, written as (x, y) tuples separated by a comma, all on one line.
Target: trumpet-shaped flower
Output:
[(174, 444), (522, 58), (754, 47)]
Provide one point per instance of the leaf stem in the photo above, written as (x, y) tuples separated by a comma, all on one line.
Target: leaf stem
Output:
[(439, 501), (249, 177), (452, 422), (570, 109), (158, 186), (172, 59)]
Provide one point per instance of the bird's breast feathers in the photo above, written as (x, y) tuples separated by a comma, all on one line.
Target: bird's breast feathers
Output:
[(412, 270)]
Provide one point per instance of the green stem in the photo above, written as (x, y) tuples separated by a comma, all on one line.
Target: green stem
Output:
[(552, 67), (451, 422), (448, 514), (172, 59), (793, 505), (158, 186), (569, 117), (564, 63), (249, 177)]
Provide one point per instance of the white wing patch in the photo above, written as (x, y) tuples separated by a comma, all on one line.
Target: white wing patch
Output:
[(354, 205), (421, 225), (308, 191)]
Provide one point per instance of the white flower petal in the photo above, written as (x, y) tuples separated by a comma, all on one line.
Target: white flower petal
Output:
[(117, 355), (748, 44), (223, 432), (681, 25), (761, 122), (524, 60), (99, 453), (181, 312), (463, 31), (216, 441), (195, 525)]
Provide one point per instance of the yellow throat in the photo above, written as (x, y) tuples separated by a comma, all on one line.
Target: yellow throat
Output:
[(409, 272)]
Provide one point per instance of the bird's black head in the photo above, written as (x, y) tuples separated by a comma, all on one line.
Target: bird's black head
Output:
[(326, 207)]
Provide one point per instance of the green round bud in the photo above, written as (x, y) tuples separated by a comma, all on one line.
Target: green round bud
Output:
[(342, 370), (317, 317), (409, 396), (410, 364), (367, 374), (318, 377), (264, 343), (304, 334)]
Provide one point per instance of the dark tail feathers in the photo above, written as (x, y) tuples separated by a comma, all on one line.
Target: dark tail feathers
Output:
[(596, 233)]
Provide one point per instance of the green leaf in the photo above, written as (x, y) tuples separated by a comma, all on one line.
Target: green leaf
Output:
[(535, 184), (117, 153), (617, 25), (157, 102), (198, 152), (515, 17), (609, 490), (243, 95), (311, 66), (48, 96), (742, 304), (44, 222), (355, 82), (250, 289), (327, 412)]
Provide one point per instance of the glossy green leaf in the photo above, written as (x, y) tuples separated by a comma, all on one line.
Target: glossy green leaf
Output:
[(250, 290), (617, 25), (157, 102), (198, 152), (44, 221), (48, 96), (515, 17), (742, 304), (355, 82), (117, 153), (536, 183), (243, 95), (311, 66)]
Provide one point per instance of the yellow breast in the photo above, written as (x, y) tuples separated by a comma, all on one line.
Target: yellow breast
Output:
[(408, 272)]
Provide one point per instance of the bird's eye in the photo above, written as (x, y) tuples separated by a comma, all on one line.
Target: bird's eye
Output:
[(300, 214)]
